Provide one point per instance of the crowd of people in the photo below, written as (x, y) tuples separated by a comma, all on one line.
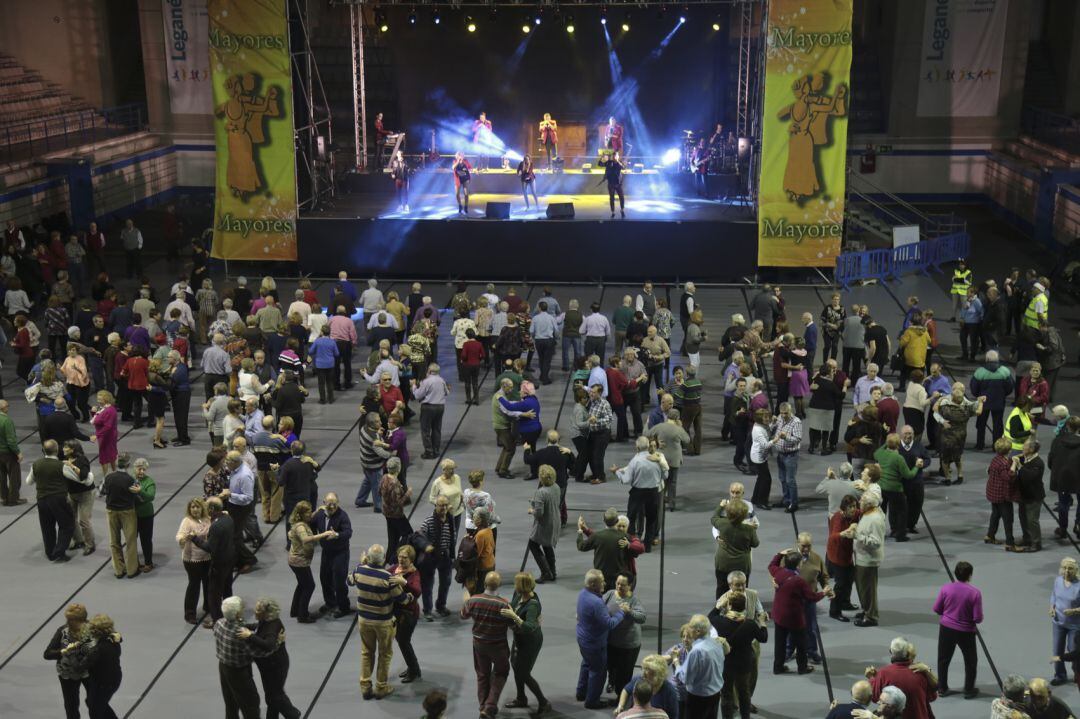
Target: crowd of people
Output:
[(256, 351)]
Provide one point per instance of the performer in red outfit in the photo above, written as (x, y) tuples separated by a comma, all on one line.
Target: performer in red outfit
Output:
[(481, 137), (462, 176), (613, 136), (549, 137)]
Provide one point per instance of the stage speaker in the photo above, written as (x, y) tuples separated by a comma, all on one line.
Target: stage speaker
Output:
[(586, 168), (560, 211), (498, 211), (558, 166)]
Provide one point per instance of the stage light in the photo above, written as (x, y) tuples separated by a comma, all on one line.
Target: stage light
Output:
[(682, 19), (626, 21), (412, 16), (684, 13), (470, 24), (384, 27), (380, 21), (671, 157), (716, 25), (570, 24), (538, 17), (435, 18), (603, 15), (525, 28)]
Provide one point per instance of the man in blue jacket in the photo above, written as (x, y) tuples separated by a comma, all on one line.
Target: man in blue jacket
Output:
[(593, 624)]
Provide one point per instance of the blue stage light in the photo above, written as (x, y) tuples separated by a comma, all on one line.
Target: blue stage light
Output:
[(670, 157)]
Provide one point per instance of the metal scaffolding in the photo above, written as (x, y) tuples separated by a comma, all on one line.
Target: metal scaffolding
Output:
[(313, 135), (359, 75)]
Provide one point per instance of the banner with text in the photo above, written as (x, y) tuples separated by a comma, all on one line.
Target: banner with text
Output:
[(962, 46), (804, 133), (187, 56), (255, 206)]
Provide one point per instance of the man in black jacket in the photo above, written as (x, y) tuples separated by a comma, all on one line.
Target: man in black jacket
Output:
[(220, 542), (296, 476), (60, 426), (861, 696), (740, 631), (334, 565), (560, 458), (54, 512), (1064, 464), (288, 400), (914, 489)]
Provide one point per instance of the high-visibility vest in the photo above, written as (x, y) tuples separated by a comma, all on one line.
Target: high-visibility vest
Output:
[(961, 280), (1031, 317), (1025, 420)]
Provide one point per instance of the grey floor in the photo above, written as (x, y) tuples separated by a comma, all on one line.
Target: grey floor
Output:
[(169, 667)]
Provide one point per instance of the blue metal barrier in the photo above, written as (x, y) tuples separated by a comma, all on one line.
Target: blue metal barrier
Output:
[(883, 265)]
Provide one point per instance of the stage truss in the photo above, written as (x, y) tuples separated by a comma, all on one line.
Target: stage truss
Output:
[(312, 134)]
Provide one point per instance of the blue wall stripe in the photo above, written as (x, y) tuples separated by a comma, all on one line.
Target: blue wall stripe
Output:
[(33, 189), (1069, 193)]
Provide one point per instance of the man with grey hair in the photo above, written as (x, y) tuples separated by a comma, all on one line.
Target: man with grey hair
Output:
[(764, 307), (216, 365), (431, 393), (995, 382), (914, 679), (371, 298), (594, 623), (231, 644), (231, 315), (702, 672), (861, 696), (671, 439), (645, 474), (891, 703), (569, 324), (299, 306), (837, 487), (377, 593), (687, 304), (1011, 704), (869, 546), (595, 328)]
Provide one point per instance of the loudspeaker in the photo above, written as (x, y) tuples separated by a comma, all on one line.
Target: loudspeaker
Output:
[(498, 211), (560, 211)]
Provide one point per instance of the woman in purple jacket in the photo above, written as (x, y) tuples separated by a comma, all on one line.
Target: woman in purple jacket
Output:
[(960, 606)]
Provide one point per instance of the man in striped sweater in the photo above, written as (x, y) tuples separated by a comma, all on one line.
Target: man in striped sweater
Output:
[(491, 653), (377, 591)]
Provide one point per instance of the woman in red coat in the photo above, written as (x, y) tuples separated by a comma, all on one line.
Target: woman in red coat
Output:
[(1035, 387), (137, 373), (408, 612)]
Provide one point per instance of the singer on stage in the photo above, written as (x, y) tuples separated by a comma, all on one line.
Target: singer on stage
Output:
[(613, 136), (527, 174), (399, 173), (613, 169), (462, 176), (481, 137), (549, 138)]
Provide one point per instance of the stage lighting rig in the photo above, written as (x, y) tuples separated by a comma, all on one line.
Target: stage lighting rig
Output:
[(436, 18), (603, 14), (470, 24), (570, 24), (380, 21), (662, 12), (412, 16), (626, 21), (538, 17)]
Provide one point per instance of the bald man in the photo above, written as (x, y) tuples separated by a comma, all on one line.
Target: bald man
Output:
[(861, 695)]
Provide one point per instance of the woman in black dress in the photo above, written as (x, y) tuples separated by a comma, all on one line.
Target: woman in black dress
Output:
[(268, 649)]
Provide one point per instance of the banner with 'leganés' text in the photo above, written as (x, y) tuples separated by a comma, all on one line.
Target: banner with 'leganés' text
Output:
[(804, 133), (255, 205)]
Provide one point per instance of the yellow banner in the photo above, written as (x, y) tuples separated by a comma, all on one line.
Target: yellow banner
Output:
[(255, 206), (804, 133)]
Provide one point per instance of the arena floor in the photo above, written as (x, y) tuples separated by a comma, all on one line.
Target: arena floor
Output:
[(169, 666)]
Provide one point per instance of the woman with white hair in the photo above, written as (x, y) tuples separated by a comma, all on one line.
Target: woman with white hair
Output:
[(268, 650), (952, 414), (448, 484), (1065, 615), (234, 660)]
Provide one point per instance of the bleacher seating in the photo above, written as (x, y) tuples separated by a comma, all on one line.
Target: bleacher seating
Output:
[(31, 108)]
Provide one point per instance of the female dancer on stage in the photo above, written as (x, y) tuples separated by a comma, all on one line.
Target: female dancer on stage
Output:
[(549, 138), (613, 169), (528, 180), (462, 175), (399, 173)]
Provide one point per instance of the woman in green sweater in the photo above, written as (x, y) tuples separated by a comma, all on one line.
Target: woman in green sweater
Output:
[(734, 541), (528, 638), (144, 512), (894, 472)]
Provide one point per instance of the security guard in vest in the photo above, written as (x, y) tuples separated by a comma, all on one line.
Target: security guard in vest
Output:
[(1038, 307), (1019, 424), (961, 280)]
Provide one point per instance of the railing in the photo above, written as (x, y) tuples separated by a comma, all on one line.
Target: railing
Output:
[(1052, 128), (931, 225), (68, 129), (885, 265)]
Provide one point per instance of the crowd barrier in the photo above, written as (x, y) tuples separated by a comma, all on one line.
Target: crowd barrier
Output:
[(885, 265)]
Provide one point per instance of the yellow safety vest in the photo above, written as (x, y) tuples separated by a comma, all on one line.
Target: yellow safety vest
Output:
[(961, 280), (1031, 317), (1025, 420)]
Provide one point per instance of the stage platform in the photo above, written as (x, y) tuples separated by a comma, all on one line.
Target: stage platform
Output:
[(664, 235)]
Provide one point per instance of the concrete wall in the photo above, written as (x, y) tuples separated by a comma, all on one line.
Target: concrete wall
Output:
[(67, 41), (904, 20), (930, 172)]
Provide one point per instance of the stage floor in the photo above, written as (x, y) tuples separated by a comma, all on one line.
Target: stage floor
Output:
[(587, 207)]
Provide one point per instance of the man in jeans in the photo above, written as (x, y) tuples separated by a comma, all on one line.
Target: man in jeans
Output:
[(787, 430), (543, 331), (571, 334), (373, 455), (431, 393), (120, 490), (10, 457), (377, 591)]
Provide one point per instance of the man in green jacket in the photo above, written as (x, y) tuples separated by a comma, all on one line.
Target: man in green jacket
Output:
[(894, 472), (10, 457), (609, 546)]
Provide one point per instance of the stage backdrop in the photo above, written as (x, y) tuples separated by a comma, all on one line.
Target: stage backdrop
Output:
[(255, 207), (804, 133), (187, 55), (962, 44)]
